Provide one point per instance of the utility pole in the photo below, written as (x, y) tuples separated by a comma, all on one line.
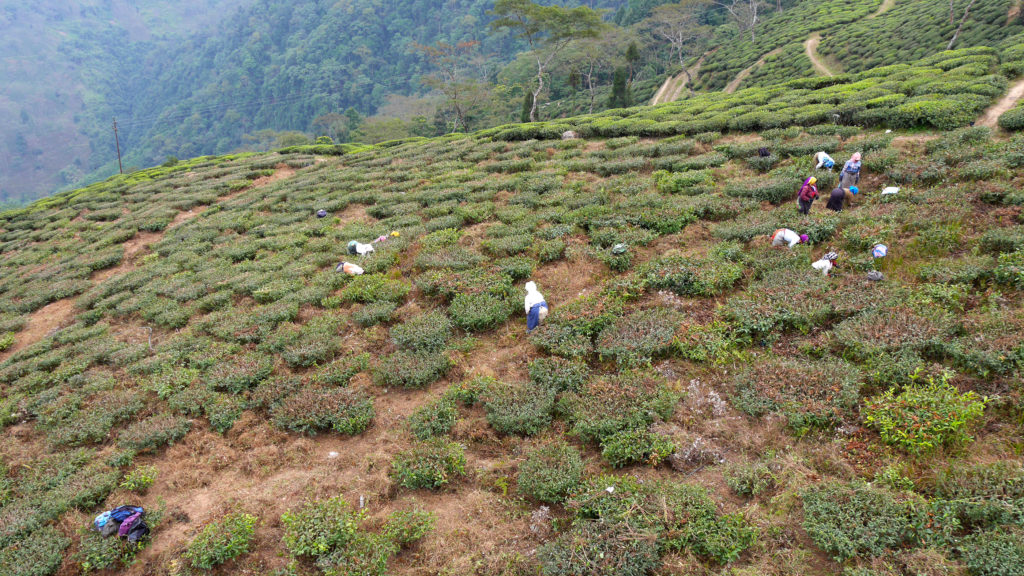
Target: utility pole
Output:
[(118, 143)]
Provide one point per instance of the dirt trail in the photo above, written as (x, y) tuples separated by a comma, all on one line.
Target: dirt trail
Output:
[(748, 71), (41, 323), (1014, 11), (811, 49), (673, 87), (886, 5), (992, 115)]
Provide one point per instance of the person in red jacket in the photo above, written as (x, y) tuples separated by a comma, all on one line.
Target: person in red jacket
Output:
[(808, 192)]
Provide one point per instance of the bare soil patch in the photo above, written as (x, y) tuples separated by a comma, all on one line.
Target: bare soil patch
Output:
[(735, 84), (41, 323), (991, 116)]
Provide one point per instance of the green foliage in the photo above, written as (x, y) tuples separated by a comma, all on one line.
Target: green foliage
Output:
[(849, 521), (638, 338), (518, 408), (599, 549), (809, 394), (375, 288), (430, 464), (1012, 119), (687, 276), (435, 418), (319, 526), (425, 333), (314, 409), (558, 374), (750, 479), (403, 527), (608, 404), (140, 479), (373, 313), (412, 369), (222, 540), (549, 472), (638, 446), (478, 312), (153, 432), (925, 416), (997, 553), (39, 555), (365, 554)]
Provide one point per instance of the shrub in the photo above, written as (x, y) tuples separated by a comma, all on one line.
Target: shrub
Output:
[(611, 403), (996, 553), (40, 554), (550, 472), (1012, 119), (849, 521), (319, 526), (435, 418), (687, 276), (374, 313), (154, 432), (775, 190), (1002, 240), (403, 527), (375, 288), (96, 553), (1010, 269), (749, 479), (430, 464), (810, 394), (240, 373), (343, 410), (365, 554), (140, 479), (639, 337), (478, 312), (221, 541), (891, 330), (412, 369), (425, 333), (600, 549), (923, 417), (558, 374), (636, 446), (518, 408)]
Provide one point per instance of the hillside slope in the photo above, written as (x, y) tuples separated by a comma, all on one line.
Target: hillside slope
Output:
[(700, 403)]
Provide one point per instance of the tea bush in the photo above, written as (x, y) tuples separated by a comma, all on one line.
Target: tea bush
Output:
[(749, 480), (435, 418), (370, 288), (600, 549), (558, 374), (403, 527), (995, 553), (810, 394), (549, 472), (154, 432), (478, 312), (639, 337), (222, 540), (140, 479), (856, 520), (610, 403), (687, 276), (319, 526), (430, 464), (310, 410), (518, 408), (924, 416), (638, 446), (411, 369), (425, 333), (373, 313), (39, 555), (365, 554)]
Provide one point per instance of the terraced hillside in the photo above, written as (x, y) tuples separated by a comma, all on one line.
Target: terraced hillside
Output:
[(702, 403)]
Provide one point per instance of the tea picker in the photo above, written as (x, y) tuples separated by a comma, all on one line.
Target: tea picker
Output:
[(787, 236), (823, 161), (826, 263), (535, 306)]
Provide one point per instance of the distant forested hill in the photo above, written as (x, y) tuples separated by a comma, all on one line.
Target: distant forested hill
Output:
[(62, 63), (282, 63)]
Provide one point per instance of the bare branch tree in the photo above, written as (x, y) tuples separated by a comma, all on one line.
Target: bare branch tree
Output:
[(679, 25), (745, 13), (956, 34)]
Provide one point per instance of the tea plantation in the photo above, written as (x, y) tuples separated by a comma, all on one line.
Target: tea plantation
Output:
[(702, 403)]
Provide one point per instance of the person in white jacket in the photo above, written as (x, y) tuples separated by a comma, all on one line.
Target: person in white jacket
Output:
[(823, 160), (787, 236), (536, 307), (826, 264)]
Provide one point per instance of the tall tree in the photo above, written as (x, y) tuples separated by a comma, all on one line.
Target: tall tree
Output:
[(595, 58), (956, 33), (745, 13), (620, 93), (547, 30), (451, 63), (679, 25)]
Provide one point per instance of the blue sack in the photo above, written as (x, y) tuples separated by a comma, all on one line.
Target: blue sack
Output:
[(533, 317)]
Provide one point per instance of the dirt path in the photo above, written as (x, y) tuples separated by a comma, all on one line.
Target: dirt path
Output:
[(811, 49), (673, 87), (748, 71), (886, 5), (991, 115), (1014, 11), (42, 322)]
